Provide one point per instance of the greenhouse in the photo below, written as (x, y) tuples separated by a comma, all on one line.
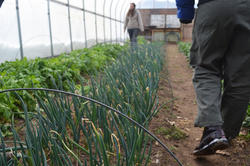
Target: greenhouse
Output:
[(48, 28), (107, 82)]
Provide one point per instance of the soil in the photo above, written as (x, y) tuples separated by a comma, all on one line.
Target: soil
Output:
[(182, 115)]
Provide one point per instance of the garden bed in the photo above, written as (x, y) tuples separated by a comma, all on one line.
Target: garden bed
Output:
[(46, 73), (66, 129)]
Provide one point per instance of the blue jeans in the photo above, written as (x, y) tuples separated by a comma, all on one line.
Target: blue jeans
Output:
[(133, 33)]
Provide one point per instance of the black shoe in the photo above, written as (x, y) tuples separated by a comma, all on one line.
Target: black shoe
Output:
[(213, 139)]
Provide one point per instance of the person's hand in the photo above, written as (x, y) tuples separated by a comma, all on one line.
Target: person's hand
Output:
[(185, 21)]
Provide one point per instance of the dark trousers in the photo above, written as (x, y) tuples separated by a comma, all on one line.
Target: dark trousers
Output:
[(133, 33), (221, 51)]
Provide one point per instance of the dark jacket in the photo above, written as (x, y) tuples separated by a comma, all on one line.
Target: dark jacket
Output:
[(186, 8)]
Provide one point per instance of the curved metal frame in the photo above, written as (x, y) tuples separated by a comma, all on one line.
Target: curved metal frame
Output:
[(116, 6), (104, 25), (84, 10), (70, 27), (96, 32), (84, 24), (116, 18), (50, 29), (19, 29), (125, 12), (111, 21), (121, 18)]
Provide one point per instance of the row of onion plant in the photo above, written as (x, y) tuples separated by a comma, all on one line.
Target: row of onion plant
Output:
[(69, 130)]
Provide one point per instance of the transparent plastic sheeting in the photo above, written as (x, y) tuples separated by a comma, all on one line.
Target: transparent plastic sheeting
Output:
[(158, 4), (45, 28)]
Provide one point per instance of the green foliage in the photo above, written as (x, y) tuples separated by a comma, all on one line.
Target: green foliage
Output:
[(171, 132), (39, 73), (184, 47), (247, 121), (141, 40), (68, 130)]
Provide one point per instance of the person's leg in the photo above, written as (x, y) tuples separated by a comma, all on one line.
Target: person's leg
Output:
[(212, 32), (212, 29), (134, 38), (237, 74), (207, 86), (130, 33), (136, 33)]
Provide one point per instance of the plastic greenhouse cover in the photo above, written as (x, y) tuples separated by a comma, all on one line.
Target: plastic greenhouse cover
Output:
[(9, 43), (83, 27), (145, 4), (35, 31)]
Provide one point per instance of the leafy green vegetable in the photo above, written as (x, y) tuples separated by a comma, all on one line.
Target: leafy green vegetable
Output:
[(247, 121), (184, 47), (39, 73)]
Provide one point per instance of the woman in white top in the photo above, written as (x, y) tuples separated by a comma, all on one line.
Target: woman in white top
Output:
[(133, 23)]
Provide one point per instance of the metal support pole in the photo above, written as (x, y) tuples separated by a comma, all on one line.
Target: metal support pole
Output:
[(121, 21), (116, 21), (96, 33), (125, 16), (111, 21), (165, 27), (104, 28), (70, 29), (84, 24), (50, 30), (19, 29)]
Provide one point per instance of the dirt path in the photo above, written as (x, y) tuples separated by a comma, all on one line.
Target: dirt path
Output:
[(182, 116)]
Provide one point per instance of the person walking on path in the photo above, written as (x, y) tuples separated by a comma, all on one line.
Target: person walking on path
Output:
[(220, 51), (134, 24)]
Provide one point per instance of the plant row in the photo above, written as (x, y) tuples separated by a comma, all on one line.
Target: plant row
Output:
[(66, 130), (39, 73), (184, 47)]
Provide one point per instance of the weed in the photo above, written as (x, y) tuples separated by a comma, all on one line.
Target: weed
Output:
[(171, 132)]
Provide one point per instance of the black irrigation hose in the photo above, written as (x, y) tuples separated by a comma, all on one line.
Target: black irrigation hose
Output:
[(102, 104)]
